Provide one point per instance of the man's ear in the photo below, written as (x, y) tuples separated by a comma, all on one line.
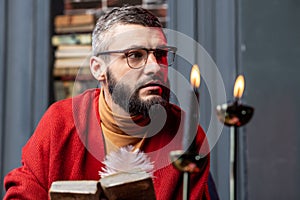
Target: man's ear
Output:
[(98, 67)]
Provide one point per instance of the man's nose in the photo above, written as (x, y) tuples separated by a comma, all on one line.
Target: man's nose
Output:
[(152, 65)]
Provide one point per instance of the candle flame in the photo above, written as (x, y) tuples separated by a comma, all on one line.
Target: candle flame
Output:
[(239, 86), (195, 76)]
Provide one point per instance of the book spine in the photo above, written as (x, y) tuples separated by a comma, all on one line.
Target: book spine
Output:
[(72, 39), (77, 29), (74, 20), (70, 54), (71, 62)]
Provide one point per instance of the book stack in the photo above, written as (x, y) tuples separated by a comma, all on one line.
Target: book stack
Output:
[(74, 23), (72, 40), (72, 50), (70, 58), (75, 7)]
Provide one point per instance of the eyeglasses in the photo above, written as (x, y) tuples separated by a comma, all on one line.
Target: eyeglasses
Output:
[(137, 57)]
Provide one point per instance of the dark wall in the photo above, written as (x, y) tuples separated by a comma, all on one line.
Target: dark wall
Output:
[(211, 23), (271, 64)]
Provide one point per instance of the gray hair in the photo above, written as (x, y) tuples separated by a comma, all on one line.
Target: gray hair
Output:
[(122, 15)]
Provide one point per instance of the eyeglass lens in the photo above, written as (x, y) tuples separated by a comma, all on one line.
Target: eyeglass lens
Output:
[(137, 58)]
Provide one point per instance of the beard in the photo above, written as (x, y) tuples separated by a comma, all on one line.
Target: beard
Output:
[(129, 99)]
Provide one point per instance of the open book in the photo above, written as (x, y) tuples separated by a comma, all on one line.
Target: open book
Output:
[(79, 190), (125, 185), (127, 175), (130, 186)]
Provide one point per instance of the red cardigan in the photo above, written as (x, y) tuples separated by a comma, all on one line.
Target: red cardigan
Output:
[(68, 145)]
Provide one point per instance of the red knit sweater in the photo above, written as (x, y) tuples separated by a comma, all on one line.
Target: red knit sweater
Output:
[(68, 145)]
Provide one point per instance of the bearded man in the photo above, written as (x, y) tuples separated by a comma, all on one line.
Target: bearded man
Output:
[(130, 60)]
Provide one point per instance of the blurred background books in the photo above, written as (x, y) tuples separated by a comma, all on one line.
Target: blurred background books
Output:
[(72, 41)]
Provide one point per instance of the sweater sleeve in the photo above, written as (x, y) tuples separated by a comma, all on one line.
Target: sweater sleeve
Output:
[(62, 147), (21, 183), (30, 181)]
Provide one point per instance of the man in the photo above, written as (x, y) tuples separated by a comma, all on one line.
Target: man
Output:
[(130, 60)]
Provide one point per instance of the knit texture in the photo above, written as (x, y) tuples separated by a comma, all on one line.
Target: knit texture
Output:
[(68, 145)]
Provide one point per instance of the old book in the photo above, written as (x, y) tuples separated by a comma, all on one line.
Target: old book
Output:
[(158, 11), (128, 186), (79, 4), (74, 20), (68, 54), (72, 71), (59, 90), (65, 51), (75, 29), (94, 11), (154, 2), (117, 3), (69, 86), (79, 190), (127, 175), (118, 187), (71, 62), (74, 47), (68, 39)]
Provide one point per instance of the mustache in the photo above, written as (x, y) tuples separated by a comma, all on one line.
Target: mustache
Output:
[(152, 80)]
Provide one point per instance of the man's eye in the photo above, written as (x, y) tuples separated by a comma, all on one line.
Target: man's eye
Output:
[(160, 53), (135, 54)]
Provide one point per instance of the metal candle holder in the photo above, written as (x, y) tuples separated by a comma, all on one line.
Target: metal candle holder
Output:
[(187, 162), (235, 115), (190, 161)]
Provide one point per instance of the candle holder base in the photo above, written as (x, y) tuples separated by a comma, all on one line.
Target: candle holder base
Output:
[(234, 114), (187, 161)]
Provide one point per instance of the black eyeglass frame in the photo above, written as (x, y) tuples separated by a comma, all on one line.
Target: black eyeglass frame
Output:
[(171, 49)]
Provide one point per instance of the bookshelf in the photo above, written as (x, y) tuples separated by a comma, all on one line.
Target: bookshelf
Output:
[(72, 40)]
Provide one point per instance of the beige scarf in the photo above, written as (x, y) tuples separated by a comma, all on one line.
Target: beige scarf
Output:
[(120, 131)]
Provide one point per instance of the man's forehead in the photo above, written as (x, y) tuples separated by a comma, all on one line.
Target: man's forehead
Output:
[(126, 36)]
